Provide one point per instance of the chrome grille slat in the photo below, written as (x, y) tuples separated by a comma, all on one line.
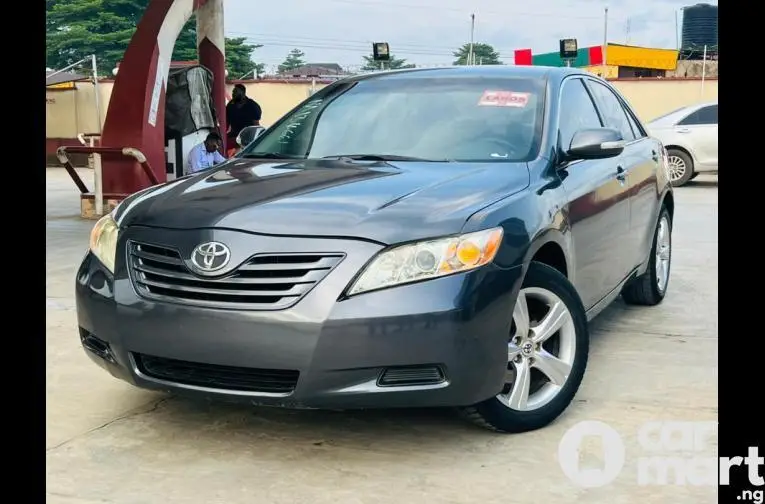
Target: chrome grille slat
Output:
[(169, 259), (310, 277), (295, 290), (324, 263), (263, 282)]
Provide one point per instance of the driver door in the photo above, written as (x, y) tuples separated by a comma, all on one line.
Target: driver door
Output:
[(598, 208)]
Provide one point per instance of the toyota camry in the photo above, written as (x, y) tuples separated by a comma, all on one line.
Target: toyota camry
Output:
[(429, 238)]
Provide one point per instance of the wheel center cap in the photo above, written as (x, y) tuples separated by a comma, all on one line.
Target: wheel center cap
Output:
[(527, 348)]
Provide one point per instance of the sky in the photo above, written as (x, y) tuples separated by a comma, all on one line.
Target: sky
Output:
[(426, 32)]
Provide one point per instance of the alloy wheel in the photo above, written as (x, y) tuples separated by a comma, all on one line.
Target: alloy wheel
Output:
[(540, 352), (663, 253), (677, 168)]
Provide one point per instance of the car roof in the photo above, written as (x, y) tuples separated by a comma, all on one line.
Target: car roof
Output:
[(486, 71)]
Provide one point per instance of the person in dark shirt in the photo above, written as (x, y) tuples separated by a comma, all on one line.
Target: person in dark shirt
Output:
[(241, 112)]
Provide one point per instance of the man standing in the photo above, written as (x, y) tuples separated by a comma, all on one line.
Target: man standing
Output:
[(241, 112), (205, 155)]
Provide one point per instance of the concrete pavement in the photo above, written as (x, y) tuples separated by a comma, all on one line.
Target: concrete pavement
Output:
[(110, 443)]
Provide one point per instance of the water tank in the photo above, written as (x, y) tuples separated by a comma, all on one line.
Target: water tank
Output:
[(699, 30)]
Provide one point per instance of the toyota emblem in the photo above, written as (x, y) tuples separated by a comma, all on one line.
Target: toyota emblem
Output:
[(210, 257)]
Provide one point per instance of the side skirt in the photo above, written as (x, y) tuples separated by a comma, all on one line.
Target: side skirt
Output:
[(611, 296)]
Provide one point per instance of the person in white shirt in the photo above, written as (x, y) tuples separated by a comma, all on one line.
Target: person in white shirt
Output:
[(205, 155)]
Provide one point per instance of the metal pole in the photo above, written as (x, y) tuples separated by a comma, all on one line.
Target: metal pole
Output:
[(97, 175), (605, 45), (703, 71), (471, 55), (677, 33), (95, 90), (66, 68)]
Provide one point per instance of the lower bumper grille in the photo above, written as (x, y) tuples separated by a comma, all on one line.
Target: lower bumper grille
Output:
[(411, 376), (274, 381)]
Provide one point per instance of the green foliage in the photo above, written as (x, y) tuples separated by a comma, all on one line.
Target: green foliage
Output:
[(76, 29), (391, 64), (483, 54), (293, 61), (239, 58)]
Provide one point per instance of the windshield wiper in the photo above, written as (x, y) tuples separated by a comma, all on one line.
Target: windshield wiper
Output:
[(379, 157), (268, 155)]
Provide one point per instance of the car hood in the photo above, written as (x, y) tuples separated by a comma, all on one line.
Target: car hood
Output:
[(386, 202)]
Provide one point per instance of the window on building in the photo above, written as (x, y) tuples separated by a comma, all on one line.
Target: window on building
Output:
[(638, 73)]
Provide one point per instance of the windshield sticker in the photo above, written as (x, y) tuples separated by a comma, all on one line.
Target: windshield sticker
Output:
[(503, 99)]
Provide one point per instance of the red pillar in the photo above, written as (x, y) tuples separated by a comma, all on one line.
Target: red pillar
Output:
[(136, 114), (211, 45)]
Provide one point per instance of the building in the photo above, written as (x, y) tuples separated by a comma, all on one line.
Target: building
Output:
[(621, 61), (315, 70)]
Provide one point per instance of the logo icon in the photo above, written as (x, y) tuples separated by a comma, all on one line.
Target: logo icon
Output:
[(210, 257)]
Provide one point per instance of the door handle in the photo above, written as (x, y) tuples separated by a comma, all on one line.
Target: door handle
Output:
[(683, 130), (620, 174)]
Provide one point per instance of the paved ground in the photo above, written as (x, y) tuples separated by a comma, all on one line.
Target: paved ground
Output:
[(110, 443)]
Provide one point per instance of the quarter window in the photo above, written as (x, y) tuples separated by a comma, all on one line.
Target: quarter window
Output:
[(611, 108), (577, 111)]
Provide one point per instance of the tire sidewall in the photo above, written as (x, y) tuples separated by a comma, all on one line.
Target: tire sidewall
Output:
[(505, 419), (652, 261)]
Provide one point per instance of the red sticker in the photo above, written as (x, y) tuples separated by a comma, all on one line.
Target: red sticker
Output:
[(503, 99)]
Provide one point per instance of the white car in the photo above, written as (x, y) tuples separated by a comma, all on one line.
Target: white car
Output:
[(690, 136)]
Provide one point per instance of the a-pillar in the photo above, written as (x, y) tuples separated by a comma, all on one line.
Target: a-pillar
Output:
[(211, 44)]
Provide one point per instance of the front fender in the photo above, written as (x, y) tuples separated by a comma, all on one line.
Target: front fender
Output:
[(530, 220)]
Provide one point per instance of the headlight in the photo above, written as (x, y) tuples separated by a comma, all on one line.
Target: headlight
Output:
[(428, 259), (103, 241)]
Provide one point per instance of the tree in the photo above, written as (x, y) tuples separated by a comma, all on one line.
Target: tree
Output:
[(239, 58), (483, 54), (293, 61), (78, 28), (391, 64)]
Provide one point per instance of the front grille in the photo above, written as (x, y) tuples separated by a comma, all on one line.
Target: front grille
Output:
[(273, 381), (263, 282)]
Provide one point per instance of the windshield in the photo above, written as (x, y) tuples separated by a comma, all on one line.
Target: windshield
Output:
[(423, 118)]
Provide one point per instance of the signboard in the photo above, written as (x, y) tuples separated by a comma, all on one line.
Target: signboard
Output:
[(380, 51), (61, 85), (568, 49)]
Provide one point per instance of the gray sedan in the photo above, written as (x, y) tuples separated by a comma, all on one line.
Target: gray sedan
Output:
[(690, 137)]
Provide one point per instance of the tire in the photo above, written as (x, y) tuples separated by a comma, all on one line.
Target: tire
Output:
[(650, 288), (680, 167), (542, 287)]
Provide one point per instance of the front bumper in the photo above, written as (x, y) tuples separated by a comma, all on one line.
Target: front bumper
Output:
[(338, 348)]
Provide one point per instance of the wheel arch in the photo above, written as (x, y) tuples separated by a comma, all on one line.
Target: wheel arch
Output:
[(550, 248), (683, 149), (668, 202)]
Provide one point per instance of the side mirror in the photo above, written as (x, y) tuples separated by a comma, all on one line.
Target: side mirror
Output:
[(249, 134), (598, 143)]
